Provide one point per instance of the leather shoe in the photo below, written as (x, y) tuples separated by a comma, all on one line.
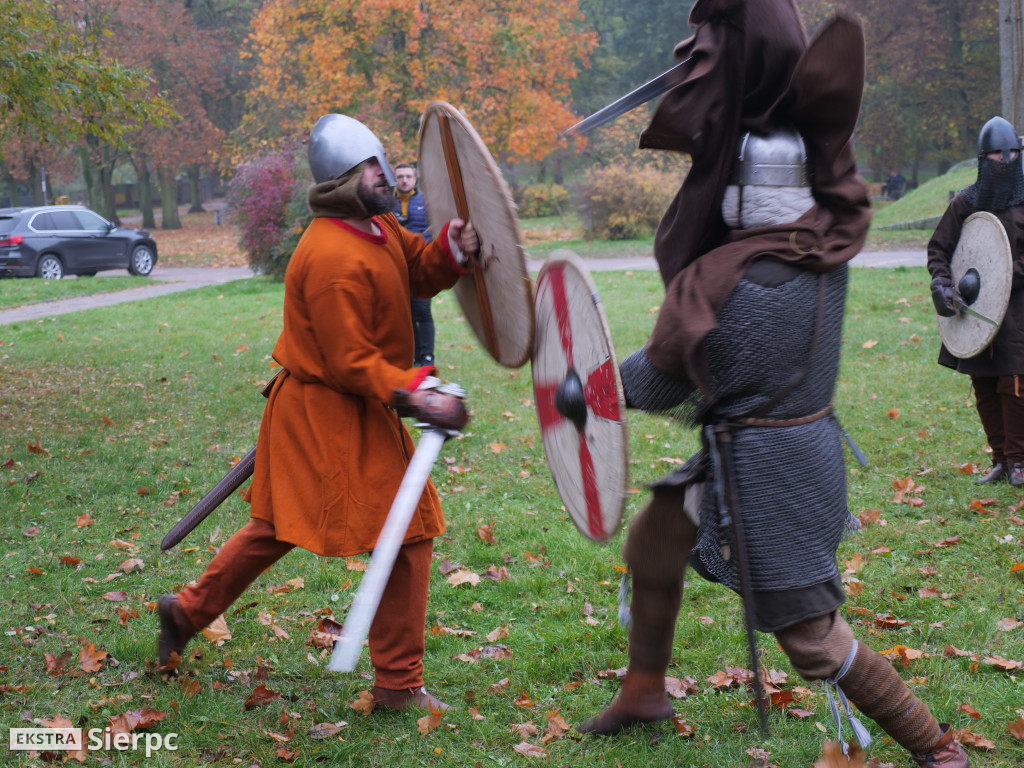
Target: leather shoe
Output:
[(994, 475), (404, 698), (641, 700), (1017, 475), (947, 753), (175, 632)]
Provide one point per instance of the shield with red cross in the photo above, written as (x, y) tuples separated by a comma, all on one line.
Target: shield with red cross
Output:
[(580, 404)]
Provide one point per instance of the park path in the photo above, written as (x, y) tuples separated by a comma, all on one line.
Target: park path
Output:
[(167, 280)]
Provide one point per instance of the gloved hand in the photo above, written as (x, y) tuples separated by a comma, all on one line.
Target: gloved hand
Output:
[(942, 296), (431, 406)]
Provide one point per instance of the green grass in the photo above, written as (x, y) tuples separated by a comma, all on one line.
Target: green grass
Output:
[(930, 199), (17, 292), (129, 414)]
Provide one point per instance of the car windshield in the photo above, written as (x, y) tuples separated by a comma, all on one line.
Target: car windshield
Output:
[(7, 224)]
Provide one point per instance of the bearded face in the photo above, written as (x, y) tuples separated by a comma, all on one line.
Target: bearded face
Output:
[(376, 199)]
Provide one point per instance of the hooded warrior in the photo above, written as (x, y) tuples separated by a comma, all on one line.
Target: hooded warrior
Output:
[(996, 371), (753, 252), (332, 449)]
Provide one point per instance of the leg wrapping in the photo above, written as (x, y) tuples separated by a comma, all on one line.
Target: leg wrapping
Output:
[(880, 693)]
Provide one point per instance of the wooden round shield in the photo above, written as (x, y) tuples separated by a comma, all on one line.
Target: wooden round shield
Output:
[(459, 178), (580, 403), (984, 248)]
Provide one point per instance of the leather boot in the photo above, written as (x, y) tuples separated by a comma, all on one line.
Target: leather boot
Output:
[(175, 632), (641, 700), (1017, 475), (419, 698), (947, 753), (994, 475)]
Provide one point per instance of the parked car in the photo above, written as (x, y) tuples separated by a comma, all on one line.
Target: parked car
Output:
[(56, 240)]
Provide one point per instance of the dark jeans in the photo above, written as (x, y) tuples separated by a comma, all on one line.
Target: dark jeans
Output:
[(423, 330)]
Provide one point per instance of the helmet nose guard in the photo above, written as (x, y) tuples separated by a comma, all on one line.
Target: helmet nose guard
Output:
[(998, 135), (339, 143)]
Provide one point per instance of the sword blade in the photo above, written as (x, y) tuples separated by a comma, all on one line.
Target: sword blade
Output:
[(631, 100), (221, 491), (364, 606), (961, 307)]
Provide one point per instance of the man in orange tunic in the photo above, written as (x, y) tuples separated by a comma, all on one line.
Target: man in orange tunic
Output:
[(332, 449)]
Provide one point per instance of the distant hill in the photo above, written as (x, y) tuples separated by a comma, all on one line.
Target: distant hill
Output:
[(921, 208)]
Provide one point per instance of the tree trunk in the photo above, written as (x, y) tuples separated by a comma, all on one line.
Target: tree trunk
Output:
[(109, 209), (91, 177), (142, 176), (168, 199), (35, 184), (1011, 60), (194, 188)]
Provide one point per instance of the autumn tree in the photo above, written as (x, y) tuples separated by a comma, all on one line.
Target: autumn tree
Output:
[(507, 65), (155, 36), (55, 86)]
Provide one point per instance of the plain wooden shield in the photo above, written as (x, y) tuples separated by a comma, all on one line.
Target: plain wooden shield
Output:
[(459, 178), (580, 403), (984, 247)]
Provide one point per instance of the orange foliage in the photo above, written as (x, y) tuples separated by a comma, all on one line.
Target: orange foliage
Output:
[(507, 66)]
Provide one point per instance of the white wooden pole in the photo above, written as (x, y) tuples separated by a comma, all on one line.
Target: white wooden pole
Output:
[(364, 607)]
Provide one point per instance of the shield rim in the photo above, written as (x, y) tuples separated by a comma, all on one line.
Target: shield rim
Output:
[(566, 258), (948, 324), (464, 289)]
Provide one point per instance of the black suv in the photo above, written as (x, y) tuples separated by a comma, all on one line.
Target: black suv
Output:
[(55, 240)]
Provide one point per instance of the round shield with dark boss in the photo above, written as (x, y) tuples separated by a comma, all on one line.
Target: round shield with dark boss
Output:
[(580, 403), (459, 178), (982, 271)]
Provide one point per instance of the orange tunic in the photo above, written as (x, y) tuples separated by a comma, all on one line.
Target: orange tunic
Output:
[(331, 452)]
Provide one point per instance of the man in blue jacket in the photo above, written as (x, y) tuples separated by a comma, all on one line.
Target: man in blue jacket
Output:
[(412, 213)]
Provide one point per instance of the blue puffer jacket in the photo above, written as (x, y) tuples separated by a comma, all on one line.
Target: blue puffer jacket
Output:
[(416, 221)]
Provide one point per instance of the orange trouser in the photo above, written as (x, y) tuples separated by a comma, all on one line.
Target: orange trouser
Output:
[(396, 634)]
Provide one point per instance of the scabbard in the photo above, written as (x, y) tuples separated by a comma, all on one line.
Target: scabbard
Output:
[(720, 445), (227, 485)]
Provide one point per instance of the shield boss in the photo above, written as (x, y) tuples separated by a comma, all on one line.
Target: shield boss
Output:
[(983, 247), (459, 178), (580, 403)]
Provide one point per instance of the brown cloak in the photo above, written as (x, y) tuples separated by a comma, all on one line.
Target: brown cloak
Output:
[(751, 69)]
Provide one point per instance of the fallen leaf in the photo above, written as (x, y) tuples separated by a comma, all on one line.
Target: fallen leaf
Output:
[(486, 533), (525, 730), (1016, 728), (260, 697), (463, 576), (833, 756), (90, 659), (680, 689), (529, 750), (1001, 663), (326, 730), (218, 632), (364, 703), (56, 665), (131, 564), (429, 722), (497, 634), (116, 597), (968, 709)]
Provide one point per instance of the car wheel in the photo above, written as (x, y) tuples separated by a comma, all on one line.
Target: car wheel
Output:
[(50, 267), (142, 261)]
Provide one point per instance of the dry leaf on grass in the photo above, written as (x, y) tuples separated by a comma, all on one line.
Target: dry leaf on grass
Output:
[(833, 756)]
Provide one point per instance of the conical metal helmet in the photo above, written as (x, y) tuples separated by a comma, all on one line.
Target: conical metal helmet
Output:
[(339, 143), (998, 135)]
